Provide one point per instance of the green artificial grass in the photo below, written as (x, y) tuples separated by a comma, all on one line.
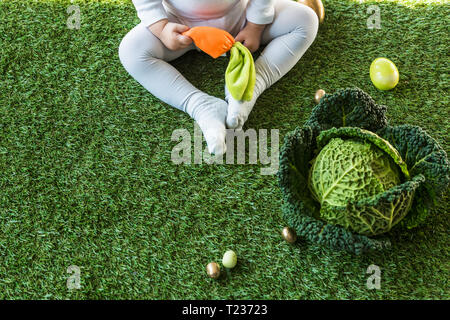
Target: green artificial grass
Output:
[(86, 176)]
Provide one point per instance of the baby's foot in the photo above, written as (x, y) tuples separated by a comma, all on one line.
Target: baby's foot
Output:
[(238, 111), (210, 117)]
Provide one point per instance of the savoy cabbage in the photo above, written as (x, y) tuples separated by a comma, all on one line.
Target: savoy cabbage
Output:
[(347, 176)]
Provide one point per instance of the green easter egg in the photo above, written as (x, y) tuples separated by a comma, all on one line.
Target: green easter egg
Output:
[(384, 74), (229, 259)]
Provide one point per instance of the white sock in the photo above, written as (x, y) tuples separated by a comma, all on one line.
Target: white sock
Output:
[(210, 112), (239, 110)]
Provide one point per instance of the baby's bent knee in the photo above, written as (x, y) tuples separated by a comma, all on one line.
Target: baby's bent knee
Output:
[(139, 45), (308, 22)]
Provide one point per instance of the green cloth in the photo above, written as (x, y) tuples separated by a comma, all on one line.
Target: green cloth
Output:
[(240, 75)]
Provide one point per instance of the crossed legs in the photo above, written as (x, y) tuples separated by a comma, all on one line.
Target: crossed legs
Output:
[(146, 59)]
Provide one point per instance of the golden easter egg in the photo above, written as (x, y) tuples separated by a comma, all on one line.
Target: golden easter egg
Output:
[(289, 235), (213, 270)]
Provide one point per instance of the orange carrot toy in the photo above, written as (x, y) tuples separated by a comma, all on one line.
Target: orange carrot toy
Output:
[(213, 41), (240, 74)]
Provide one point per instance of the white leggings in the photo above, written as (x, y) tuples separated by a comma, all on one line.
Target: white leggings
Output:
[(145, 57)]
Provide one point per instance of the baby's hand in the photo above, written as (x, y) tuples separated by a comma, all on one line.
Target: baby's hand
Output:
[(250, 36), (170, 34)]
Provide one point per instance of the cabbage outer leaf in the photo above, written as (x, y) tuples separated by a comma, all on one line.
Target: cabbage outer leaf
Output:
[(350, 107), (375, 215), (295, 155), (423, 156)]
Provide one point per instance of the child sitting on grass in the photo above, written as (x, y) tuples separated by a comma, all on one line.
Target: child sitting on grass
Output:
[(287, 27)]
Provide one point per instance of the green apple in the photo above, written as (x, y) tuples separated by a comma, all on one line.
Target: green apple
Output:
[(384, 74)]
